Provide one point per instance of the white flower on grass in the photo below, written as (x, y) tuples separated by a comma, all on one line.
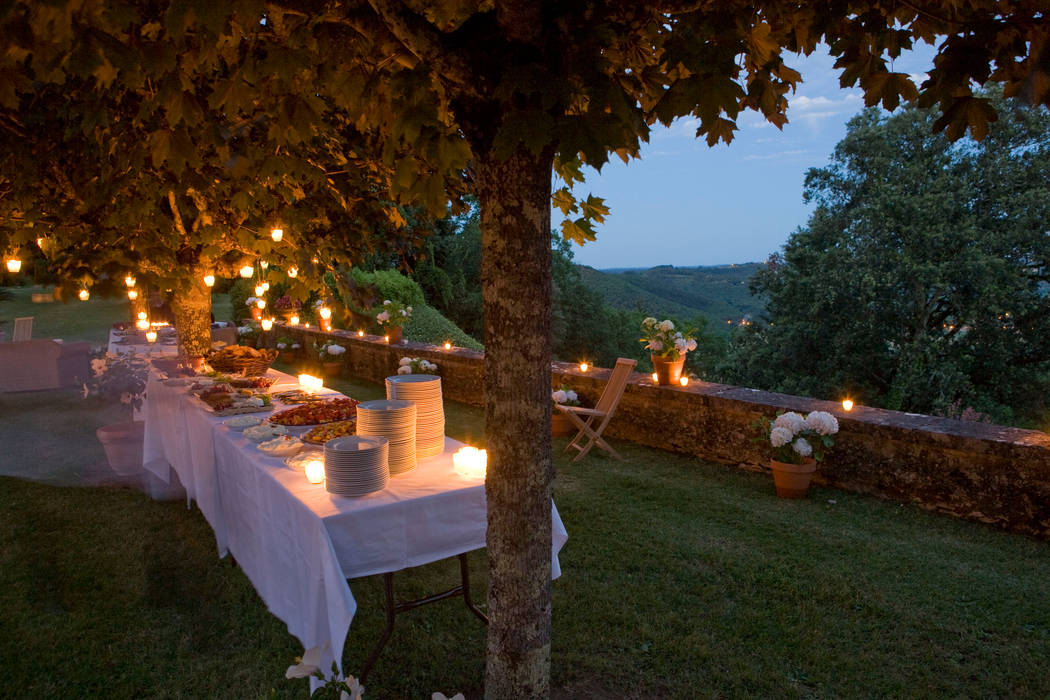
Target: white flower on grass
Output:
[(405, 361), (803, 447), (559, 396), (666, 325), (778, 437), (822, 423), (792, 421), (307, 666), (404, 369)]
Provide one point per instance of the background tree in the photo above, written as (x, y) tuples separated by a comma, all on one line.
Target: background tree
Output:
[(505, 92), (921, 278)]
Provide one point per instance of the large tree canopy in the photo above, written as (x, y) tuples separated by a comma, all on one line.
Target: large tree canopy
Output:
[(921, 278), (503, 92)]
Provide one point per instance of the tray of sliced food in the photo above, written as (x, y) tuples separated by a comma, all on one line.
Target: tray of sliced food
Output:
[(281, 446), (254, 384), (328, 411), (224, 400), (329, 431), (297, 396)]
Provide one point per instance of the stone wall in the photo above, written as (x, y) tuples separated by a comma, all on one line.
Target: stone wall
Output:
[(981, 472)]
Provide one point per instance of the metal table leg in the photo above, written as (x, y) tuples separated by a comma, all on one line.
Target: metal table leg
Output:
[(394, 608)]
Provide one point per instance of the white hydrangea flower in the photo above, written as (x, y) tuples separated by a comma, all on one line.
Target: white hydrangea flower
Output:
[(571, 395), (429, 366), (386, 302), (404, 361), (335, 349), (296, 346), (792, 421), (251, 301), (409, 309), (778, 437), (822, 423), (282, 346), (383, 316), (666, 325), (404, 312), (681, 345), (802, 447), (691, 345), (404, 369), (559, 396), (649, 321), (656, 345)]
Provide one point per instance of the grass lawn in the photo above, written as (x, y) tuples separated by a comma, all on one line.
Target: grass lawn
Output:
[(78, 320), (681, 579)]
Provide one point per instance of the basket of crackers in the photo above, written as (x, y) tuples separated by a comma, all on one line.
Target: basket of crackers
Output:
[(241, 359)]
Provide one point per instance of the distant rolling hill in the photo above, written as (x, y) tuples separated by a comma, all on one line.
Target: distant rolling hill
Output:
[(720, 293)]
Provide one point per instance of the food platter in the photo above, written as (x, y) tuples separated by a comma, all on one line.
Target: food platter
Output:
[(295, 397), (316, 413), (321, 434)]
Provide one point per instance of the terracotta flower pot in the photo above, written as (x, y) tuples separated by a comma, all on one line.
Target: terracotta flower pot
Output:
[(331, 369), (394, 333), (123, 445), (288, 356), (561, 426), (792, 480), (668, 371), (256, 313)]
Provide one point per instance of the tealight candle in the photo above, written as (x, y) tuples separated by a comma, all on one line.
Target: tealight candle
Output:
[(583, 366), (293, 271), (132, 294), (448, 346), (247, 271), (360, 334), (277, 234), (310, 383), (129, 281), (325, 312), (259, 290), (315, 471), (847, 405), (84, 295), (470, 462), (151, 336), (209, 280), (294, 320), (306, 325), (684, 381), (656, 378), (14, 265), (386, 338), (267, 324)]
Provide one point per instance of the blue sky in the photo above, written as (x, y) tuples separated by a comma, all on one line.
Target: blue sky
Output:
[(686, 204)]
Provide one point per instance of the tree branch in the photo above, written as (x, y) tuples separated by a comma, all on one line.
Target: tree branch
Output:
[(175, 213), (423, 42)]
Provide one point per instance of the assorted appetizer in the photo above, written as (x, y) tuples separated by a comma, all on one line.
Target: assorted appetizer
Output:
[(327, 411)]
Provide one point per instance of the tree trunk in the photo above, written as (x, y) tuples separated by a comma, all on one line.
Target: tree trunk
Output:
[(516, 292), (192, 309)]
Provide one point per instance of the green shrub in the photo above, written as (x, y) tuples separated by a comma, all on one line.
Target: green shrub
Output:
[(427, 325), (392, 285), (239, 293)]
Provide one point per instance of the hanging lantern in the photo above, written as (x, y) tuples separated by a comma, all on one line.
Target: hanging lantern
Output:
[(259, 290), (247, 271), (293, 271), (129, 281), (265, 286), (142, 316), (14, 265), (325, 312), (277, 234), (84, 295), (261, 303), (263, 264), (209, 280)]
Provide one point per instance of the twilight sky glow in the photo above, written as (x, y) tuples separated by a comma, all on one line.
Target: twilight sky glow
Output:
[(685, 204)]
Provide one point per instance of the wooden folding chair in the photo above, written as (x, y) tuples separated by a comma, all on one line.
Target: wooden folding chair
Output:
[(23, 329), (592, 421)]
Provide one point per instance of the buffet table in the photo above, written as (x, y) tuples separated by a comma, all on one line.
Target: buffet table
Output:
[(135, 343), (297, 543)]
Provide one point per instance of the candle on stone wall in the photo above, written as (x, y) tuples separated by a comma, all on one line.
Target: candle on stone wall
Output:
[(267, 324), (209, 280), (84, 295)]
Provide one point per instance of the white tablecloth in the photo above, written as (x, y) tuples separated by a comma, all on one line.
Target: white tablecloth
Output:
[(298, 543)]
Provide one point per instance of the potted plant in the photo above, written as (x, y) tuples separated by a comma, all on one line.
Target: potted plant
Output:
[(253, 304), (121, 377), (392, 318), (561, 426), (415, 365), (667, 348), (288, 349), (286, 307), (797, 445), (330, 356), (248, 333)]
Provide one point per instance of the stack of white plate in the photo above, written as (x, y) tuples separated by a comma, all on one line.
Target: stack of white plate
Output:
[(356, 465), (396, 421), (424, 390)]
